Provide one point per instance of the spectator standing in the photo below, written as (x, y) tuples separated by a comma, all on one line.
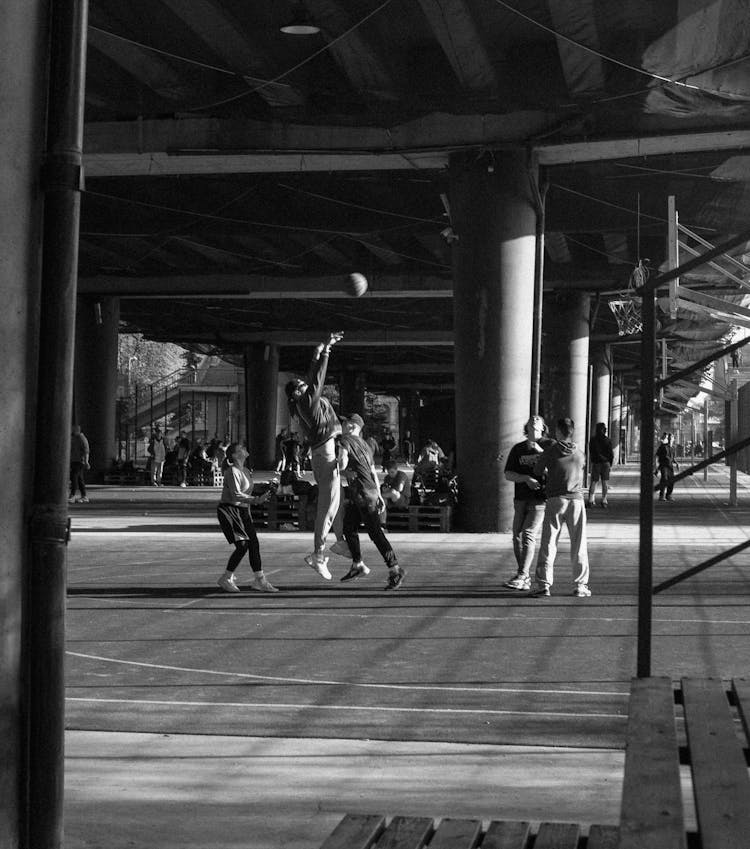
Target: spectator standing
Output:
[(601, 456), (365, 503), (321, 427), (563, 464), (158, 450), (407, 448), (666, 466), (236, 523), (79, 463), (280, 458), (528, 500), (183, 456)]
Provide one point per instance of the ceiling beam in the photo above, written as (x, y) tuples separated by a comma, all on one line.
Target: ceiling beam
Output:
[(215, 146), (455, 29), (303, 339), (261, 287), (357, 55), (213, 25), (583, 69)]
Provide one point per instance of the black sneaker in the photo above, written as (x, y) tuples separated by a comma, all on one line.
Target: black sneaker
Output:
[(395, 578), (356, 570)]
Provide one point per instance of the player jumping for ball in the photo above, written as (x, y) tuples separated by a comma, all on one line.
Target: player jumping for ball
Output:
[(320, 426)]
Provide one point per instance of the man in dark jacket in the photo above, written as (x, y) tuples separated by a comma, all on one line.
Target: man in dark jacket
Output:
[(666, 465), (563, 464), (601, 455), (320, 427)]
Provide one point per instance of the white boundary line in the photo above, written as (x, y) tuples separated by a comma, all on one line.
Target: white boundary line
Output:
[(378, 708), (334, 683)]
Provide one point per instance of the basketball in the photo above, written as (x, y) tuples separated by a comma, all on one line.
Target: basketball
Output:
[(356, 284)]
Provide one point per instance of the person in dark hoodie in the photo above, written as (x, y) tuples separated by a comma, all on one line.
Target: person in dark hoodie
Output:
[(601, 455), (563, 463), (320, 426)]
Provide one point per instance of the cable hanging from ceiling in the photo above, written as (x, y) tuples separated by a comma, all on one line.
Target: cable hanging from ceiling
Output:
[(611, 59)]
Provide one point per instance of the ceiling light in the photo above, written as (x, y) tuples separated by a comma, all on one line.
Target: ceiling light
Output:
[(301, 23)]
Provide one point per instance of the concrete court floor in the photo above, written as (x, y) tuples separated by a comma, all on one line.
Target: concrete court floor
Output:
[(552, 676)]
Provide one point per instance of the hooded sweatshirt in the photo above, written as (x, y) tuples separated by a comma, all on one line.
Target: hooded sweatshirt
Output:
[(314, 411), (564, 464)]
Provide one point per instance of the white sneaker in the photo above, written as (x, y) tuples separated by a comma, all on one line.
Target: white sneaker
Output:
[(263, 585), (319, 563), (582, 591), (341, 547), (228, 584), (183, 485)]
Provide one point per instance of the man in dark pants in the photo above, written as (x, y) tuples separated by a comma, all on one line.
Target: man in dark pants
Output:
[(365, 503), (667, 464)]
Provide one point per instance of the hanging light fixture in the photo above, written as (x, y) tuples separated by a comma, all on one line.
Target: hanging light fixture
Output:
[(300, 23)]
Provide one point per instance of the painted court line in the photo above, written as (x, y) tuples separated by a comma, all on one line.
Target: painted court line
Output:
[(370, 709), (333, 683)]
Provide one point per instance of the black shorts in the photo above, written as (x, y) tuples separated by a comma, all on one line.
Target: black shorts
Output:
[(236, 523)]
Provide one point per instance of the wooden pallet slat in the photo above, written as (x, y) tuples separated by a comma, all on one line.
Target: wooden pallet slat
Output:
[(355, 831), (456, 834), (652, 813), (720, 778), (557, 835), (406, 833), (507, 834)]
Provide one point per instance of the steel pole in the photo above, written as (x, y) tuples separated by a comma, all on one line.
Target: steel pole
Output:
[(45, 642)]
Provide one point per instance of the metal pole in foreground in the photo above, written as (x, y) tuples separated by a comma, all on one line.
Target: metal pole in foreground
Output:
[(48, 532), (646, 552)]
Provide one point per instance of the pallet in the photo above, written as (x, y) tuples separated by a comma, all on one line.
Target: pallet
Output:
[(364, 831), (277, 511), (421, 518)]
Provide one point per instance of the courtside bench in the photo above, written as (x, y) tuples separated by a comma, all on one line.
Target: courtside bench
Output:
[(701, 724)]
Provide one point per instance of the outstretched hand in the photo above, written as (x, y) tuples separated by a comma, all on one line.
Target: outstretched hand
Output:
[(334, 337)]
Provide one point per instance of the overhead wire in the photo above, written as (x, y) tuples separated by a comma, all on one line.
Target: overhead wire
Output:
[(612, 60)]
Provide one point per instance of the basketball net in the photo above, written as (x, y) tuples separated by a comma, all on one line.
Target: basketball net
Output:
[(627, 310)]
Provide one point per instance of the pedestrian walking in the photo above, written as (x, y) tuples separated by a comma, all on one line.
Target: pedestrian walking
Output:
[(79, 464), (667, 465), (601, 457)]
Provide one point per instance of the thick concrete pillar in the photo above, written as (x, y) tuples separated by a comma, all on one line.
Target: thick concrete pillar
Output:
[(95, 379), (352, 392), (617, 427), (601, 373), (565, 360), (493, 215), (23, 69), (261, 383)]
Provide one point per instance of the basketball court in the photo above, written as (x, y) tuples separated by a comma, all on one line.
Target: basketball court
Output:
[(259, 719)]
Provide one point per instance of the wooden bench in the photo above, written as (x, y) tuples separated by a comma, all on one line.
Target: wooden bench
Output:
[(715, 744), (363, 831), (701, 723)]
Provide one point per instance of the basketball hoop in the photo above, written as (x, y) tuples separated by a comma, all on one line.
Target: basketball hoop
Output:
[(627, 310)]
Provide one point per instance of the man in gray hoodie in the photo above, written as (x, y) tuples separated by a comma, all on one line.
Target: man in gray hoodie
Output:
[(320, 426), (563, 464)]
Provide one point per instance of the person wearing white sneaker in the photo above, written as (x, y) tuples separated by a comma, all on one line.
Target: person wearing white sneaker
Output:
[(320, 426), (236, 523), (563, 463), (601, 457), (528, 499), (364, 502)]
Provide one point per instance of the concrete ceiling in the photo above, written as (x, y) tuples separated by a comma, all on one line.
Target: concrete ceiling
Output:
[(235, 174)]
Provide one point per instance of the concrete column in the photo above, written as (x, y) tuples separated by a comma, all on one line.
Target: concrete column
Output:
[(23, 68), (617, 427), (565, 360), (493, 215), (602, 386), (261, 389), (95, 378), (352, 392)]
